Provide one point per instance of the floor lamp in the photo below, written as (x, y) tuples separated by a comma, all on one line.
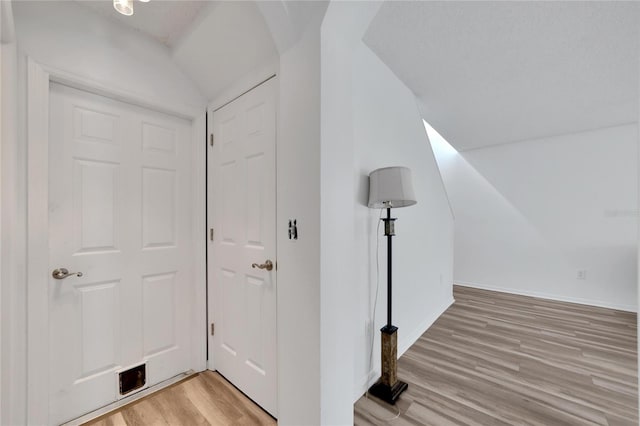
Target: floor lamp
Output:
[(390, 187)]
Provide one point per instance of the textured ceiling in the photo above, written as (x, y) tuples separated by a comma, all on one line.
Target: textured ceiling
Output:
[(489, 73), (163, 20)]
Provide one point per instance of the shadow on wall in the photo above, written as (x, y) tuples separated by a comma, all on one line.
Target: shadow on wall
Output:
[(481, 192), (362, 189)]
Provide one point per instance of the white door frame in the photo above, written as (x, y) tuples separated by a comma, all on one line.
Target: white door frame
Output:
[(38, 78)]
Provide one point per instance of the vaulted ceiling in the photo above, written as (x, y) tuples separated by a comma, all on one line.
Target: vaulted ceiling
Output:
[(490, 73), (485, 72), (165, 21), (214, 42)]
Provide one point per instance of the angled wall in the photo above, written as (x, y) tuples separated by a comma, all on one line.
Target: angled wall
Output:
[(389, 132), (369, 120), (530, 216)]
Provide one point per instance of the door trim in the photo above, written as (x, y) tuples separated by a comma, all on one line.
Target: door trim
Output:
[(38, 79), (244, 93)]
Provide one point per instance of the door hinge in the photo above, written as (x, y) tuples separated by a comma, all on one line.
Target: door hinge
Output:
[(211, 139), (211, 234), (213, 329)]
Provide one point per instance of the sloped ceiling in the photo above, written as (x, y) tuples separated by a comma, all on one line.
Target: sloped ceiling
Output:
[(214, 42), (225, 43), (489, 73), (288, 19), (163, 20)]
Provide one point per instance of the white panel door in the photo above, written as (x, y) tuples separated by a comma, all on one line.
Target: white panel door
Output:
[(243, 204), (119, 197)]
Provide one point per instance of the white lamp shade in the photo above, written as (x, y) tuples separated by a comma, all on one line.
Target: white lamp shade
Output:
[(391, 187)]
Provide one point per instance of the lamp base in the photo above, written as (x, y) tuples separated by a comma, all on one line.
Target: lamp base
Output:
[(389, 394), (389, 388)]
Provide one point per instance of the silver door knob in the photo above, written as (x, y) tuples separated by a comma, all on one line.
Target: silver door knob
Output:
[(62, 273), (268, 265)]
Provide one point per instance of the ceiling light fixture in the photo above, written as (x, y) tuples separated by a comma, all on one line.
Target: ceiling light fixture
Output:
[(125, 6)]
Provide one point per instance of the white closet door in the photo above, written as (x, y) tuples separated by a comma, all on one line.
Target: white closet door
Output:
[(119, 200), (243, 171)]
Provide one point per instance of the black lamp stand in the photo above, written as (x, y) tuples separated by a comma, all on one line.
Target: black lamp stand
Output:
[(388, 387)]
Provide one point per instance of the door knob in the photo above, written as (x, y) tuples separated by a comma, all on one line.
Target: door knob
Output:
[(268, 265), (62, 273)]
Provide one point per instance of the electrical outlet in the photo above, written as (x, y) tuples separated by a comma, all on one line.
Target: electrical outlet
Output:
[(582, 274)]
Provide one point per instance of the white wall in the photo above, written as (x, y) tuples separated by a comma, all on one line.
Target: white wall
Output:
[(67, 37), (337, 250), (327, 102), (638, 241), (369, 119), (298, 175), (11, 389), (529, 215), (342, 30), (2, 126), (389, 132), (8, 124)]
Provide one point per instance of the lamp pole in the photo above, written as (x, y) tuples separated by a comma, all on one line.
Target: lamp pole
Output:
[(389, 232), (389, 388)]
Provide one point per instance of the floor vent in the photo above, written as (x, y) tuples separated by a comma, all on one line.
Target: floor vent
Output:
[(132, 379)]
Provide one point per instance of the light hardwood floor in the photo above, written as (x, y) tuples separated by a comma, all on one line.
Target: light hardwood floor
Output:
[(500, 359), (204, 399)]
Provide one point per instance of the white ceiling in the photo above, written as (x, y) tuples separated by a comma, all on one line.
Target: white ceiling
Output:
[(163, 20), (495, 72), (215, 43), (226, 43)]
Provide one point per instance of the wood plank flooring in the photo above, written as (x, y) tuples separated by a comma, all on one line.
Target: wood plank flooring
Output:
[(204, 399), (500, 359)]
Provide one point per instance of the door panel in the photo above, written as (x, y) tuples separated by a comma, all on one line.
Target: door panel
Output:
[(119, 197), (243, 213)]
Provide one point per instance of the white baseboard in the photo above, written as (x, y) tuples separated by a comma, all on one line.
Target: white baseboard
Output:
[(406, 341), (540, 295)]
